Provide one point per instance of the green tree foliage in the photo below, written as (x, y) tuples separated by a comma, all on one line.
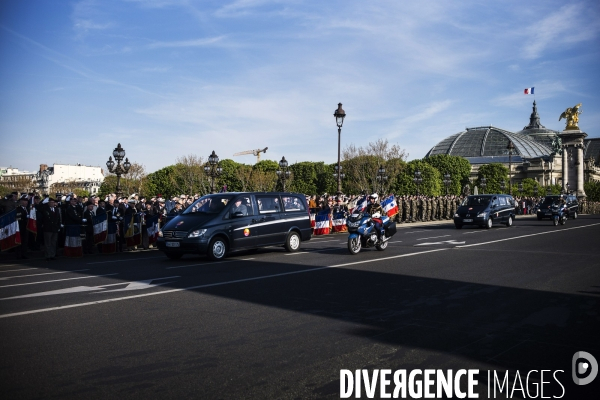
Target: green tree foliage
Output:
[(305, 178), (592, 191), (431, 185), (494, 174), (162, 182), (459, 169)]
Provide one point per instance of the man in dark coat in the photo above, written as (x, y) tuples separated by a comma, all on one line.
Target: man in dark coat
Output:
[(22, 217), (51, 220), (88, 220)]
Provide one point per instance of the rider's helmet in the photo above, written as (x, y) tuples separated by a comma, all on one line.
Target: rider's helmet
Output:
[(374, 196)]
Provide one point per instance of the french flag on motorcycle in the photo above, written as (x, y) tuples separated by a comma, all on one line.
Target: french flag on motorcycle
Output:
[(152, 228), (339, 222), (361, 204), (321, 224), (390, 206), (100, 228)]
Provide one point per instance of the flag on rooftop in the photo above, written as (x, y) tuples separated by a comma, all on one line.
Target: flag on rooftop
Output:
[(528, 90)]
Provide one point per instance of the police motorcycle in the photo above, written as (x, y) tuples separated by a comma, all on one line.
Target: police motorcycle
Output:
[(363, 233), (560, 213)]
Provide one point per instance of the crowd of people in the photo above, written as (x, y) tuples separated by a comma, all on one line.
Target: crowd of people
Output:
[(53, 214)]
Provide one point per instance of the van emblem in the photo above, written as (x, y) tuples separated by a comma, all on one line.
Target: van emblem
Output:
[(179, 223), (246, 232)]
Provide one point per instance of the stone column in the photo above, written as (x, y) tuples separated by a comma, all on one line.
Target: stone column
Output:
[(580, 180), (565, 169)]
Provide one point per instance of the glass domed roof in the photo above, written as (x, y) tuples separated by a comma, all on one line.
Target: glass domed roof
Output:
[(489, 144)]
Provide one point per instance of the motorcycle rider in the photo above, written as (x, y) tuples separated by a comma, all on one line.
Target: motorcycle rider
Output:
[(375, 210)]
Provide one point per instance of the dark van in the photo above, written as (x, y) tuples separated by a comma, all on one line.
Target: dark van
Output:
[(217, 224), (486, 210)]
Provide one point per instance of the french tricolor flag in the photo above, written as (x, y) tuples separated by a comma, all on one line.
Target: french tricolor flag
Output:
[(528, 90)]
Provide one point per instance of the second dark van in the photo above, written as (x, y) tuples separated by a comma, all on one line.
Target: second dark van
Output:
[(217, 224), (485, 210)]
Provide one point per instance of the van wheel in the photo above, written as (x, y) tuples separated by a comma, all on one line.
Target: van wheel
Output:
[(509, 221), (217, 249), (174, 256), (292, 243), (489, 223), (574, 214)]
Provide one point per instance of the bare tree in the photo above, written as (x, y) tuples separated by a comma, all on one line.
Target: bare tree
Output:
[(361, 165)]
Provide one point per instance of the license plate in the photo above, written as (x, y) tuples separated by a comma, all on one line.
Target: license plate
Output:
[(467, 220), (548, 213), (172, 244)]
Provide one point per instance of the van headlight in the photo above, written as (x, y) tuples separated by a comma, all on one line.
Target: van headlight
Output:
[(456, 215), (482, 214), (160, 234), (197, 233)]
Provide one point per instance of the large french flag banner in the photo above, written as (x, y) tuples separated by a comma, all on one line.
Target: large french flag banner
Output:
[(32, 221), (312, 220), (321, 224), (133, 230), (9, 231), (73, 246), (152, 228), (110, 243), (390, 207), (339, 222), (100, 228), (528, 91)]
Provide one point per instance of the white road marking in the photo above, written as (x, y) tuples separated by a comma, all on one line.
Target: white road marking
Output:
[(533, 234), (23, 269), (442, 242), (295, 254), (45, 273), (396, 241), (139, 285), (323, 241), (415, 232), (433, 237), (467, 233), (58, 280), (209, 263), (128, 259), (213, 284)]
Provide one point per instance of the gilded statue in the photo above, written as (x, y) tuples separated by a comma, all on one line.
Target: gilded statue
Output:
[(572, 117)]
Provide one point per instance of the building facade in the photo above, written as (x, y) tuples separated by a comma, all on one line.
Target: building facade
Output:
[(537, 153)]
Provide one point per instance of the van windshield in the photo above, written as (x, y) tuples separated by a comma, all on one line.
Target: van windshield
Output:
[(476, 201), (550, 199), (209, 204)]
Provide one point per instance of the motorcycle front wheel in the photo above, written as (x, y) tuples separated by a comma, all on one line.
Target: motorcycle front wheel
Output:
[(563, 220), (354, 245), (555, 221)]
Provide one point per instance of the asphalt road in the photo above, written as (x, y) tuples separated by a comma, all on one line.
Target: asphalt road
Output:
[(277, 325)]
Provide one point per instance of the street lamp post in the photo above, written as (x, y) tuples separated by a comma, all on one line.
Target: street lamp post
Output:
[(502, 186), (213, 170), (483, 184), (381, 178), (339, 115), (118, 169), (510, 148), (567, 186), (338, 173), (447, 182), (417, 180), (283, 172)]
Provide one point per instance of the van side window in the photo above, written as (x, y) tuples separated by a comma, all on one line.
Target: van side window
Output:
[(293, 203), (503, 201), (268, 204)]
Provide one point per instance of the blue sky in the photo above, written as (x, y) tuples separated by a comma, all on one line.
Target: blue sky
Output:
[(168, 78)]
